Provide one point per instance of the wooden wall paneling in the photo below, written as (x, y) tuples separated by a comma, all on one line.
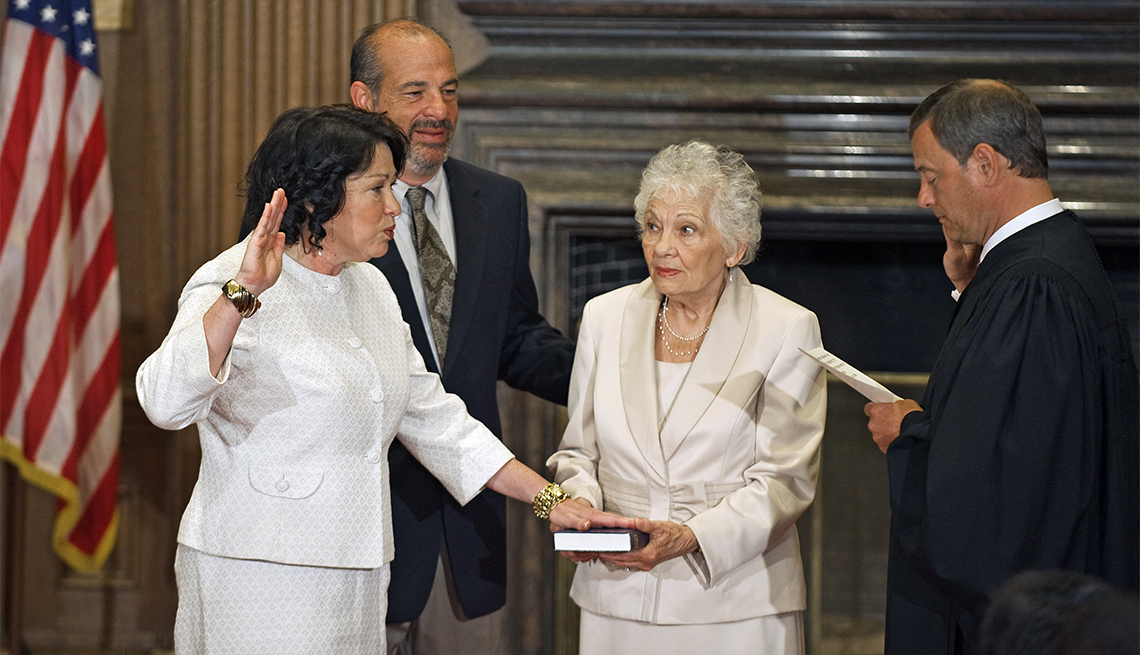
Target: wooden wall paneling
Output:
[(229, 130), (526, 626), (330, 29), (140, 90), (197, 171), (243, 64)]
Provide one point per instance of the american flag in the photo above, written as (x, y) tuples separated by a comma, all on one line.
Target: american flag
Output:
[(60, 403)]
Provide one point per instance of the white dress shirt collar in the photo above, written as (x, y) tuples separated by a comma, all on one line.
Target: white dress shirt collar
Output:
[(1019, 223), (433, 185)]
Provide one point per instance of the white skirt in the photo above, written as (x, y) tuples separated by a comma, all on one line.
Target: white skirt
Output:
[(776, 634), (250, 607)]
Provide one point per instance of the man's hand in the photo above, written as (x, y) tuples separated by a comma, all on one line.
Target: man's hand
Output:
[(886, 419), (960, 261)]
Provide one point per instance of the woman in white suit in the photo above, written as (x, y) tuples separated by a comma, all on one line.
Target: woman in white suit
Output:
[(692, 408), (295, 364)]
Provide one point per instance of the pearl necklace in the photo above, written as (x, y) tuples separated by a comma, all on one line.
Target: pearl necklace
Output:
[(664, 325)]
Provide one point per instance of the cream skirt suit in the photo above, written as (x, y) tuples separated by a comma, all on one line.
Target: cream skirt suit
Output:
[(285, 543), (734, 456)]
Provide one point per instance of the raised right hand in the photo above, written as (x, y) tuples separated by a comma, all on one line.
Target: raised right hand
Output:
[(261, 265)]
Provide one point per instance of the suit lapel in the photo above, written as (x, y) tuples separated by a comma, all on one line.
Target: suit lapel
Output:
[(393, 267), (713, 364), (638, 373), (472, 225)]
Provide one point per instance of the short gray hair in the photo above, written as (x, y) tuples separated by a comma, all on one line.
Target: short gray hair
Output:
[(699, 170), (967, 112)]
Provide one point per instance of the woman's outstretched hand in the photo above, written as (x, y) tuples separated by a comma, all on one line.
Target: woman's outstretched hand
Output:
[(260, 268), (577, 514), (574, 556)]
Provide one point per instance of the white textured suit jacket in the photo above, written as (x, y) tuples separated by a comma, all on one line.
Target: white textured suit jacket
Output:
[(295, 430), (736, 459)]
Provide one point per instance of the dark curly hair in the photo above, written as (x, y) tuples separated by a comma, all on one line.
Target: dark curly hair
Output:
[(310, 152)]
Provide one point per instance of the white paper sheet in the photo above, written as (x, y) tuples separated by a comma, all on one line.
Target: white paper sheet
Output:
[(852, 376)]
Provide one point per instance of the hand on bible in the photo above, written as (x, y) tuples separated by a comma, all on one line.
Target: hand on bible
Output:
[(666, 541), (575, 556), (886, 420), (577, 514)]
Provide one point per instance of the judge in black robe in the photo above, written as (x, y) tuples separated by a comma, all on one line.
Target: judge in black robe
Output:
[(1025, 456), (1024, 452)]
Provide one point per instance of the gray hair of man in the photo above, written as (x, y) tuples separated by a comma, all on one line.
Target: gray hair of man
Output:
[(967, 112), (717, 175)]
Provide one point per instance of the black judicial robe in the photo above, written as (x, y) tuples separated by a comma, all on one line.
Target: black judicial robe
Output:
[(1026, 454)]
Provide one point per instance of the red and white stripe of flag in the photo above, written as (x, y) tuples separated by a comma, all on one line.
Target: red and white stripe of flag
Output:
[(60, 402)]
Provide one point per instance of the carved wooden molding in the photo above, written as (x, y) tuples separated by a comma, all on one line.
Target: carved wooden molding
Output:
[(576, 96), (1118, 10)]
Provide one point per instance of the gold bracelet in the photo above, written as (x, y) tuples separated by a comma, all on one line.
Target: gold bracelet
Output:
[(245, 302), (547, 499)]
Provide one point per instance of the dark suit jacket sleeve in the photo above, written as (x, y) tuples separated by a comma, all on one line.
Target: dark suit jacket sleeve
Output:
[(535, 356)]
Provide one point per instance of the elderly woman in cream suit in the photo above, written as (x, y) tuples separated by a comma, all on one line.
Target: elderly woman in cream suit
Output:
[(692, 408), (299, 371)]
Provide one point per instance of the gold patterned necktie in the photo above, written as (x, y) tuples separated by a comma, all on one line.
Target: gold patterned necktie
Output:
[(436, 269)]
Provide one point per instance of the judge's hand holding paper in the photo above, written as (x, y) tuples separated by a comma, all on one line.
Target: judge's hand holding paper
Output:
[(886, 419), (886, 410)]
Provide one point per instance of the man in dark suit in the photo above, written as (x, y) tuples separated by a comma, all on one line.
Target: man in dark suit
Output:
[(449, 575), (1023, 454)]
